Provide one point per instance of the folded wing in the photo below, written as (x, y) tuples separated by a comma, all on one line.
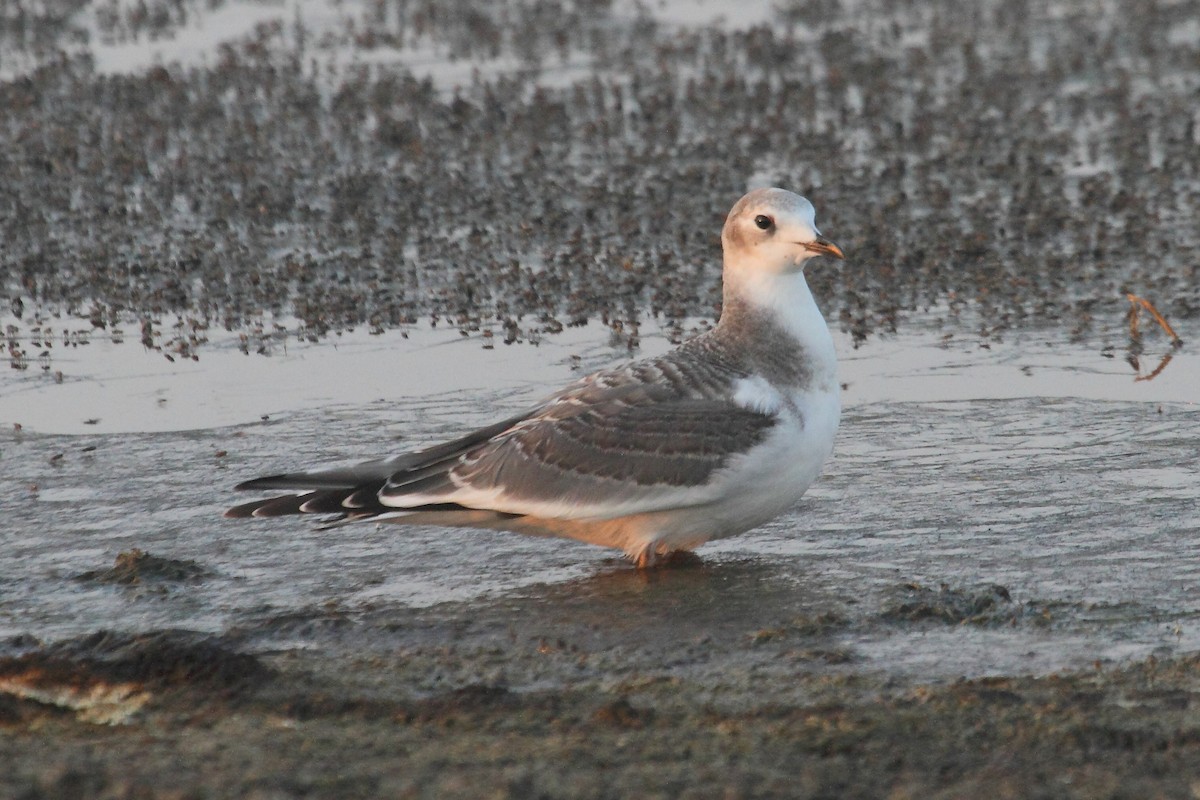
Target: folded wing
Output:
[(624, 441)]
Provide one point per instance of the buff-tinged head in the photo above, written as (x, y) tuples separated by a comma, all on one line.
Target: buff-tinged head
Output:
[(773, 232)]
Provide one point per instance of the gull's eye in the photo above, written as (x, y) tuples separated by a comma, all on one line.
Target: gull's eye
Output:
[(764, 222)]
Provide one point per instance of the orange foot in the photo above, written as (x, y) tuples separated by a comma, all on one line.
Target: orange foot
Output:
[(648, 559)]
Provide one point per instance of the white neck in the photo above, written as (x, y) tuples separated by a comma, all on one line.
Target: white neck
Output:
[(786, 300)]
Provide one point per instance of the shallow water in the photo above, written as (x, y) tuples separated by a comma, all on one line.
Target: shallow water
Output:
[(1083, 508)]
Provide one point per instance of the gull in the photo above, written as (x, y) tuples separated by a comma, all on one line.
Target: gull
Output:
[(655, 457)]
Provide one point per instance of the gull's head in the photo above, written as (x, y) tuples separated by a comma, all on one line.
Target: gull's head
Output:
[(773, 232)]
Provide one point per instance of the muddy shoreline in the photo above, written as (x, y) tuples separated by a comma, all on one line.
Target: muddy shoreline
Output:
[(430, 719), (943, 639)]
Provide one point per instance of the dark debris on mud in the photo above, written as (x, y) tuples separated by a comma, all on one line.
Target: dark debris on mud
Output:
[(158, 660), (139, 568), (992, 606), (986, 605), (1031, 162)]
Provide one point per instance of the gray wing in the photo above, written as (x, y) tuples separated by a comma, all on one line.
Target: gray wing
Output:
[(650, 436)]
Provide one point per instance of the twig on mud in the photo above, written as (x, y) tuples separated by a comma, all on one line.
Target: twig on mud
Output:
[(1134, 333), (1135, 337), (1161, 366)]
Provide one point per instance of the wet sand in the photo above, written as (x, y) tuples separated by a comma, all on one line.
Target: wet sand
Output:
[(353, 727), (989, 594)]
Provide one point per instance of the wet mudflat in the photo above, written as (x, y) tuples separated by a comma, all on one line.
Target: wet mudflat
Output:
[(349, 731), (991, 592), (979, 594)]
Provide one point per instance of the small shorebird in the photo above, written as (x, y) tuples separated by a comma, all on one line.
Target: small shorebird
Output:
[(658, 456)]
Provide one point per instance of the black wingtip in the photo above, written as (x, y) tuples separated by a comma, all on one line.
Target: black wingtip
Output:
[(269, 482), (243, 511), (280, 506)]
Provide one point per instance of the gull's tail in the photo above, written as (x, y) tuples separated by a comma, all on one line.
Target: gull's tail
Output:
[(353, 491), (350, 492)]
